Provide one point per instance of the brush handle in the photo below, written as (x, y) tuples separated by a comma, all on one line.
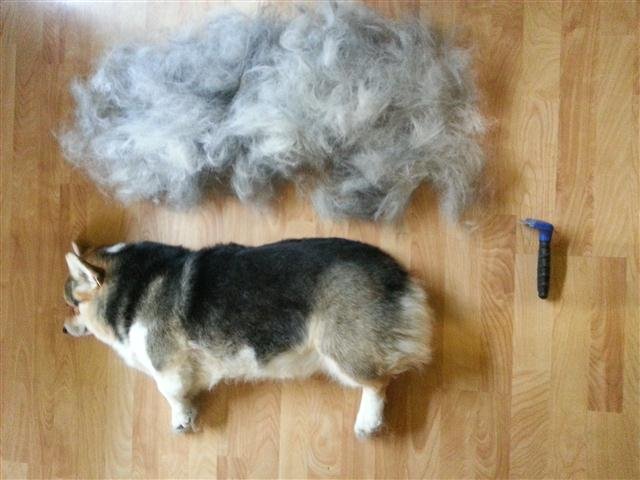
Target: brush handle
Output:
[(544, 268)]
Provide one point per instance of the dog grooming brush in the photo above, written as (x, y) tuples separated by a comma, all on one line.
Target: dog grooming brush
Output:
[(545, 231)]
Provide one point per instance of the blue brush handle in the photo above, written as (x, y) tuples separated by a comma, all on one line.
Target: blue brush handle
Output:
[(544, 268)]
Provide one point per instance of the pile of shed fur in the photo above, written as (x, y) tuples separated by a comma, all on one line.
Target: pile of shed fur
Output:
[(353, 107)]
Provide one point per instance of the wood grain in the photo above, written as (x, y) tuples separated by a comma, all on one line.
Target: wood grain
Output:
[(519, 387), (574, 188), (607, 334)]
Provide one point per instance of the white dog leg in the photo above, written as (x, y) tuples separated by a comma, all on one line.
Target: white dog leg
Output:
[(370, 415), (183, 413)]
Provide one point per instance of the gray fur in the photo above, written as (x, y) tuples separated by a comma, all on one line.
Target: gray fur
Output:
[(358, 108)]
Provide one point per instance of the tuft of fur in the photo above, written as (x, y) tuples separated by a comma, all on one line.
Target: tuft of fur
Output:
[(358, 108)]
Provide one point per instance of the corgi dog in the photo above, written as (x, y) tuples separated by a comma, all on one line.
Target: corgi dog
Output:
[(193, 318)]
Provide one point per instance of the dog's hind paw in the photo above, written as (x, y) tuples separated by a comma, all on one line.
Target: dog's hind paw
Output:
[(366, 429)]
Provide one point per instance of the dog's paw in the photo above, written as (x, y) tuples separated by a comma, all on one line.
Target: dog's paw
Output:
[(368, 427), (184, 420)]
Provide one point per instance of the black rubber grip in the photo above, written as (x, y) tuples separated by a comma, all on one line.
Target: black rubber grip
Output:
[(544, 268)]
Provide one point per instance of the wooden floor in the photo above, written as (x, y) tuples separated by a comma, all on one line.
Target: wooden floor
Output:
[(520, 387)]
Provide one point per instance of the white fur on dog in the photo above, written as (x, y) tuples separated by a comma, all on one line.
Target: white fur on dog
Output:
[(358, 108), (370, 414), (115, 248), (173, 385)]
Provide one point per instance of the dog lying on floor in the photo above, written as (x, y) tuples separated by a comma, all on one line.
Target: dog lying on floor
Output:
[(289, 309)]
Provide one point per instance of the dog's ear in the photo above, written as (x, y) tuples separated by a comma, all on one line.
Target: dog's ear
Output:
[(76, 249), (86, 276)]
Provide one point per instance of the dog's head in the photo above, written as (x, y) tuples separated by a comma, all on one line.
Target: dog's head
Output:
[(83, 286)]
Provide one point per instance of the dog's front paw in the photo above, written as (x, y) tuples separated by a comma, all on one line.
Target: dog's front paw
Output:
[(367, 426), (183, 420)]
